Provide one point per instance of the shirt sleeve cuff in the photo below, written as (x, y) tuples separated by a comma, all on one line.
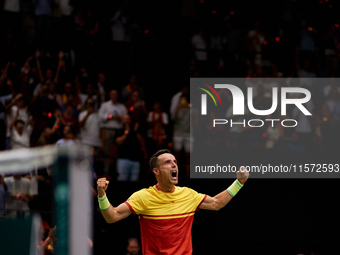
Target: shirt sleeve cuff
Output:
[(133, 212), (205, 196)]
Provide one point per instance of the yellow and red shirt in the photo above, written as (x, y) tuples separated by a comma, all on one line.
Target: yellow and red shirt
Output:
[(165, 219)]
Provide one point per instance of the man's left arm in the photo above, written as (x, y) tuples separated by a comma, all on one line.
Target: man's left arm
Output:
[(220, 200)]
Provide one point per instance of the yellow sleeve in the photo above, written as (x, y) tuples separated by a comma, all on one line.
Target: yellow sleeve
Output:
[(198, 198), (135, 202)]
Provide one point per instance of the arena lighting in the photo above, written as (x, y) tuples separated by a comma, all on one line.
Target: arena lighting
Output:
[(310, 28), (321, 2), (277, 38), (330, 6), (201, 1), (232, 13), (336, 25), (265, 42), (146, 31), (214, 12), (326, 1)]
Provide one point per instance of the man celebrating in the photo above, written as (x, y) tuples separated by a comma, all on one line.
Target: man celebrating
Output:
[(166, 211)]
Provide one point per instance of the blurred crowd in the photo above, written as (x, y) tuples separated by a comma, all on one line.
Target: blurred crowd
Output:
[(79, 72)]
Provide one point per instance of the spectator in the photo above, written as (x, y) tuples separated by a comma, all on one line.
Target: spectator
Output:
[(43, 105), (137, 111), (181, 131), (70, 116), (133, 247), (156, 134), (6, 102), (200, 48), (90, 93), (110, 114), (89, 126), (70, 137), (53, 95), (254, 41), (117, 26), (21, 194), (102, 87), (17, 106), (5, 194), (132, 86), (176, 99), (20, 132), (130, 150), (71, 95), (46, 136)]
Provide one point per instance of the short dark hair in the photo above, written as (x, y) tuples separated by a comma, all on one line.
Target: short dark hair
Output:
[(153, 160)]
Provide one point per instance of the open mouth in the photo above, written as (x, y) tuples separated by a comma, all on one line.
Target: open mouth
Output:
[(174, 174)]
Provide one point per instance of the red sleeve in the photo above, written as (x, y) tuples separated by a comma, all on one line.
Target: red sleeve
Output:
[(201, 203)]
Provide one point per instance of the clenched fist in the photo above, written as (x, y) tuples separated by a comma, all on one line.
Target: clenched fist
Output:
[(242, 175), (102, 185)]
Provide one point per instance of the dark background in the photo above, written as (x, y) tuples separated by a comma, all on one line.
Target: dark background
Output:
[(268, 216)]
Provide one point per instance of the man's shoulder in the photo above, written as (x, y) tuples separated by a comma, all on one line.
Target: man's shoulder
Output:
[(185, 191), (142, 193), (146, 190), (106, 103)]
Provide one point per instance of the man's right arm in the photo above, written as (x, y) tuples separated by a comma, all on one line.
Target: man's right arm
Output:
[(111, 214)]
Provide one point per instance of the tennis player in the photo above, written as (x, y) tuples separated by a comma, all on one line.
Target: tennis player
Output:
[(166, 211)]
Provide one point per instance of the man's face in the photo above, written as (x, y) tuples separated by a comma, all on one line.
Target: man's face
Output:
[(68, 88), (126, 119), (135, 96), (168, 169), (20, 127), (114, 96), (157, 107), (133, 248), (66, 130)]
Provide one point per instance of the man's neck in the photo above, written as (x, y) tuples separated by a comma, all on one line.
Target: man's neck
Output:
[(165, 188)]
